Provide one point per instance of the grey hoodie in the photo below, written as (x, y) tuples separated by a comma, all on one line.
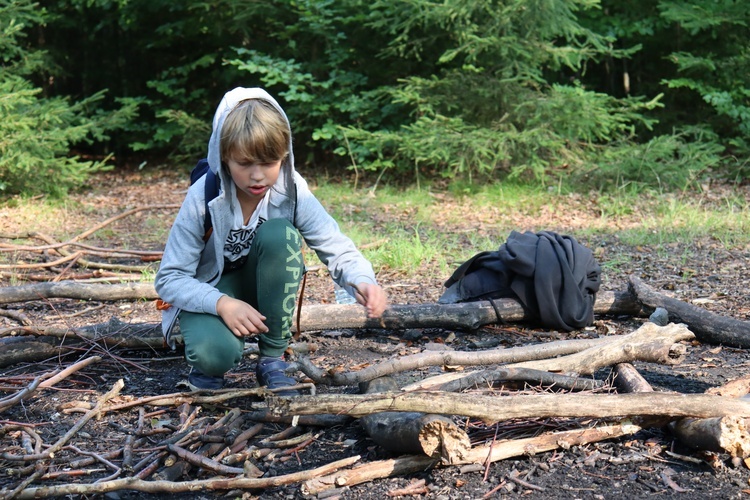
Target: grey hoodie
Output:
[(190, 268)]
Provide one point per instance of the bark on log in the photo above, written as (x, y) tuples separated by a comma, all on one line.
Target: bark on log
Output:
[(446, 358), (650, 342), (414, 432), (493, 409), (725, 434), (81, 291), (486, 378), (628, 379), (708, 327)]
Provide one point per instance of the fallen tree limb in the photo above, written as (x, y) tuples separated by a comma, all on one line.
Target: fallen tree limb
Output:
[(493, 409), (445, 358), (81, 291), (579, 357), (708, 327), (481, 454), (650, 342), (215, 484), (465, 315)]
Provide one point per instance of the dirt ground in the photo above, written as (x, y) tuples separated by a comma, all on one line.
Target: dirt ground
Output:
[(649, 463)]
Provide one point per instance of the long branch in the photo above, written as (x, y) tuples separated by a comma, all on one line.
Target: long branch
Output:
[(494, 409)]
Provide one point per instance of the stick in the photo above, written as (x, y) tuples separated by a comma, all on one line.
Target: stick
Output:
[(216, 484), (204, 462), (487, 377), (26, 392), (69, 371)]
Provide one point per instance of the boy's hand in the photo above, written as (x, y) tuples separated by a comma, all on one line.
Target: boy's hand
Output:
[(242, 319), (372, 297)]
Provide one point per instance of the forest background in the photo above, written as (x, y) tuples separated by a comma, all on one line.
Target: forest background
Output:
[(576, 94)]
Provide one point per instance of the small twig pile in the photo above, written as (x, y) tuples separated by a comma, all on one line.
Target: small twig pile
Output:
[(62, 256)]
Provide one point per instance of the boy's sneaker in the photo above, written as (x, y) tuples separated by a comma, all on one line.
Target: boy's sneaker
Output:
[(270, 373), (198, 381)]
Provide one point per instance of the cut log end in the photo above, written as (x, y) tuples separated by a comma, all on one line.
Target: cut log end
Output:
[(441, 438), (721, 434)]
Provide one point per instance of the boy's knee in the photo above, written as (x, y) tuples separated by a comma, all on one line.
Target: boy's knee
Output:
[(213, 358)]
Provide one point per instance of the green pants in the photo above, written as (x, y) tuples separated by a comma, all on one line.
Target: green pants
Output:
[(268, 281)]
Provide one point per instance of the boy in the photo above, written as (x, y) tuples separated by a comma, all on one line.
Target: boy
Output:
[(243, 279)]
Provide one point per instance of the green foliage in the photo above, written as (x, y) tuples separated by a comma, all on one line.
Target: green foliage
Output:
[(37, 132), (489, 112), (715, 64), (664, 163), (36, 137), (616, 93)]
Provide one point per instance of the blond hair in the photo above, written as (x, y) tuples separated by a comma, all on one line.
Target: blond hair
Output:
[(254, 131)]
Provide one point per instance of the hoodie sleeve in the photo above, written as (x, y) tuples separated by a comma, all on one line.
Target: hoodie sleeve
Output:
[(322, 233), (187, 273)]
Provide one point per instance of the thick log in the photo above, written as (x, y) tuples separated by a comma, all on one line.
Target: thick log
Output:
[(435, 436), (720, 434), (462, 316), (708, 327), (724, 434), (493, 409)]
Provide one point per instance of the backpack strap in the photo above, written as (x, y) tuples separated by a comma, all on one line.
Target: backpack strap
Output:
[(211, 191)]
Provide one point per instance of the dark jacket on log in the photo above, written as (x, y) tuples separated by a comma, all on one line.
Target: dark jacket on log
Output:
[(553, 276)]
